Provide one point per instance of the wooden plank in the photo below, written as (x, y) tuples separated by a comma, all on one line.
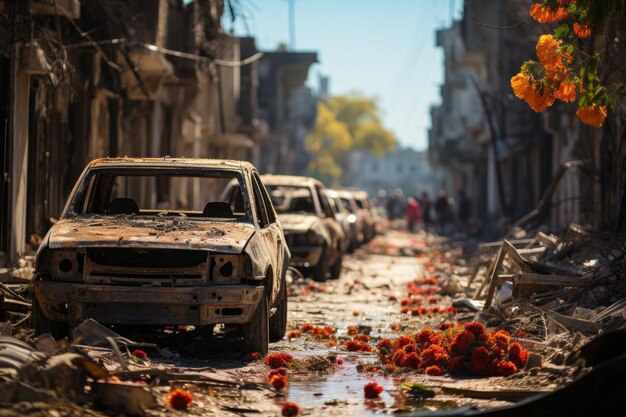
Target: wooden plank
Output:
[(491, 277), (531, 279), (504, 394), (582, 325)]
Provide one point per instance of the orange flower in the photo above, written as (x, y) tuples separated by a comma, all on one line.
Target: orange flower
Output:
[(385, 343), (394, 326), (293, 335), (543, 14), (352, 330), (306, 327), (506, 368), (480, 360), (582, 31), (424, 336), (278, 381), (548, 50), (521, 85), (592, 115), (278, 360), (462, 342), (434, 370), (289, 409), (179, 399), (561, 14), (475, 327), (456, 364), (140, 354), (540, 99), (362, 338), (332, 343), (372, 390), (566, 92)]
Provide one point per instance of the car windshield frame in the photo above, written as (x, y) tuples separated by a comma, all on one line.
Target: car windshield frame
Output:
[(79, 193), (271, 185)]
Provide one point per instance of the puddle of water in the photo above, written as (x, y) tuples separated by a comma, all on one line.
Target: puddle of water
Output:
[(344, 389)]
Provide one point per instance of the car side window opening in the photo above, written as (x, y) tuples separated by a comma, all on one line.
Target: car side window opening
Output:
[(260, 206), (326, 210), (269, 207)]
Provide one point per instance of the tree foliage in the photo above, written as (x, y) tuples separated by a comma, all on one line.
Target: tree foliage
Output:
[(569, 58), (343, 124)]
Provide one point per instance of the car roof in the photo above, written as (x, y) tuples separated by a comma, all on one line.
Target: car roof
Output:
[(167, 162), (355, 192), (289, 180)]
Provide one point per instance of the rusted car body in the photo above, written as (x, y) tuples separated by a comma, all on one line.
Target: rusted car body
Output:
[(135, 246), (313, 235)]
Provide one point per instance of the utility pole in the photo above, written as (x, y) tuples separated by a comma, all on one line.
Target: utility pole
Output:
[(292, 25)]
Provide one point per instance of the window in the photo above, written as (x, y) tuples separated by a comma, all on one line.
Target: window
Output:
[(261, 212), (269, 208), (127, 191), (291, 198)]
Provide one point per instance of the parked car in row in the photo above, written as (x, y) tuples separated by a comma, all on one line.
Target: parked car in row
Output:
[(358, 222), (151, 242), (312, 232), (345, 219), (370, 215)]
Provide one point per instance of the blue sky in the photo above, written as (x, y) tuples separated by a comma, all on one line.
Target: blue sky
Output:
[(384, 49)]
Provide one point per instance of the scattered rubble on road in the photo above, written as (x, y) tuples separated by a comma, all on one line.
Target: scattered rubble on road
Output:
[(548, 296)]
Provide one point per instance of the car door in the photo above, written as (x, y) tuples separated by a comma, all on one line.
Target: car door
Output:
[(331, 223), (270, 231)]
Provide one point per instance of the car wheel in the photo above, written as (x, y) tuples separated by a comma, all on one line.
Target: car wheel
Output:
[(320, 271), (256, 331), (278, 322), (335, 269), (42, 324)]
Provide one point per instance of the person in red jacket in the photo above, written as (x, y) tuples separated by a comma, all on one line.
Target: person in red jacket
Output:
[(413, 213)]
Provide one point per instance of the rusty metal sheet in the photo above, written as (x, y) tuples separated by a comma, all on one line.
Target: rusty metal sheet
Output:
[(136, 231)]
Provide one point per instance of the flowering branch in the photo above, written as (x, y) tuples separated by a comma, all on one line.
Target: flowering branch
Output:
[(563, 71)]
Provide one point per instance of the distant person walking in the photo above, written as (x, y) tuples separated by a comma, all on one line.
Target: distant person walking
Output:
[(465, 207), (425, 203), (442, 209), (413, 213)]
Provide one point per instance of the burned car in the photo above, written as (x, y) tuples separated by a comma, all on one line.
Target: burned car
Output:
[(314, 236), (150, 242)]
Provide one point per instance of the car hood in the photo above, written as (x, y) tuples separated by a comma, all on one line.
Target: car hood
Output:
[(295, 222), (165, 233)]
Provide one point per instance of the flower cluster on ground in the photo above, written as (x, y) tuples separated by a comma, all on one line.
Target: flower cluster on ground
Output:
[(455, 349), (422, 297)]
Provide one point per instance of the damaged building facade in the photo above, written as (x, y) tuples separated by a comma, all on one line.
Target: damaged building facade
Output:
[(505, 156), (81, 80)]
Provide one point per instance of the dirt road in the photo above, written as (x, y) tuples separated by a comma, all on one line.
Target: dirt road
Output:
[(365, 328), (399, 284)]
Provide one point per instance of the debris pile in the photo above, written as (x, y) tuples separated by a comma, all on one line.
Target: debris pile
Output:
[(576, 281)]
